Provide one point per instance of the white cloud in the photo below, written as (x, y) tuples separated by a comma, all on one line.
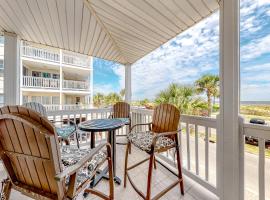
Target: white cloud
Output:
[(255, 48), (195, 52), (257, 68), (258, 92), (181, 60)]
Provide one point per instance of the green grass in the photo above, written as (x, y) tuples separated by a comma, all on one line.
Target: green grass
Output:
[(255, 150)]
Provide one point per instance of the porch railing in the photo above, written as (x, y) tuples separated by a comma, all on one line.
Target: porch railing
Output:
[(77, 60), (39, 82), (195, 141), (53, 56), (261, 134), (41, 54), (57, 107), (78, 85), (198, 147)]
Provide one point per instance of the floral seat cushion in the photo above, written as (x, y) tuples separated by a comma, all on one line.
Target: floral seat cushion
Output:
[(65, 131), (143, 140), (71, 155)]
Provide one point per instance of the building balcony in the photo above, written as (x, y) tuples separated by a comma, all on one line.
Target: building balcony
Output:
[(68, 58), (40, 54), (50, 83), (75, 85), (39, 82)]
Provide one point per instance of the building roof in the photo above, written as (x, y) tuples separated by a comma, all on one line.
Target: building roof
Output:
[(119, 30)]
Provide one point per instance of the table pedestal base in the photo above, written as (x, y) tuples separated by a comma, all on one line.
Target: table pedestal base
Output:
[(99, 176)]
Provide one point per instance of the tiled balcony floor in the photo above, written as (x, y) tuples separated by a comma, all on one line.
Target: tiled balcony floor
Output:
[(161, 178)]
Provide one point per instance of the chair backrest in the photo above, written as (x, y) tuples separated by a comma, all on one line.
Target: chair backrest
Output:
[(121, 110), (38, 107), (165, 118), (30, 151)]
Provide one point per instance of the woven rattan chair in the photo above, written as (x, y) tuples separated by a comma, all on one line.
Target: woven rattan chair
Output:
[(65, 128), (162, 136), (36, 165)]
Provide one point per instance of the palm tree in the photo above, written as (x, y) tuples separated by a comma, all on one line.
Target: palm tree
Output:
[(209, 84), (99, 100), (179, 95), (112, 98)]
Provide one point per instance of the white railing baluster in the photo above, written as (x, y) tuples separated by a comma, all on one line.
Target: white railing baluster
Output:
[(188, 147), (261, 169), (180, 142), (206, 154), (197, 150)]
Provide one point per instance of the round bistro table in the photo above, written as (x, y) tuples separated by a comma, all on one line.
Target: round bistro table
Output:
[(101, 125)]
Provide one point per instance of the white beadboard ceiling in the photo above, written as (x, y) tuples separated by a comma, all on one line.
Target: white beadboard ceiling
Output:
[(119, 30)]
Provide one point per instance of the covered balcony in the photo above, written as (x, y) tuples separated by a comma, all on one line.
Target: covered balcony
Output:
[(125, 31)]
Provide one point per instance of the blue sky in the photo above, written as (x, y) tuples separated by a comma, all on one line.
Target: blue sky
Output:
[(196, 52)]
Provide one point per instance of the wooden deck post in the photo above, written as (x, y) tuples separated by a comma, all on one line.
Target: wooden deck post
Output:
[(228, 163)]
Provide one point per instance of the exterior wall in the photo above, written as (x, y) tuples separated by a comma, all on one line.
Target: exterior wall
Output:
[(75, 76)]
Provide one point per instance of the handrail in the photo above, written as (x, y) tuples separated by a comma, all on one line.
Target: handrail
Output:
[(77, 60), (39, 53), (261, 133), (73, 84), (40, 82), (52, 56)]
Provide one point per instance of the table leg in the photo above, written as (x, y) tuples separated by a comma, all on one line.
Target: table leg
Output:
[(103, 173), (93, 140), (112, 141)]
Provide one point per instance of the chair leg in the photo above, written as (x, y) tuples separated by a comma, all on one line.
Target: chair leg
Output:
[(180, 176), (77, 138), (110, 165), (155, 163), (129, 150), (126, 163), (6, 184), (149, 178)]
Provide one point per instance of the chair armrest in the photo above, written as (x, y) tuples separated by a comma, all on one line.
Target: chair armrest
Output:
[(143, 124), (74, 168), (164, 134)]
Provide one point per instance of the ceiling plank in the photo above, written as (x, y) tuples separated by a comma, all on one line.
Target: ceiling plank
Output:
[(53, 12), (78, 23)]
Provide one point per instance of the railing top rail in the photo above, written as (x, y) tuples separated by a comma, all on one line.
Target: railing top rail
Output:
[(81, 111), (74, 81), (256, 130), (191, 119), (36, 77)]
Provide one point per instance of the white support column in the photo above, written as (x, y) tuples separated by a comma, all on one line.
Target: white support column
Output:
[(229, 168), (91, 81), (11, 69), (61, 80), (128, 92)]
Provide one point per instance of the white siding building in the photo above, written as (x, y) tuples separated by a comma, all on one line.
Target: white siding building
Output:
[(57, 79)]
